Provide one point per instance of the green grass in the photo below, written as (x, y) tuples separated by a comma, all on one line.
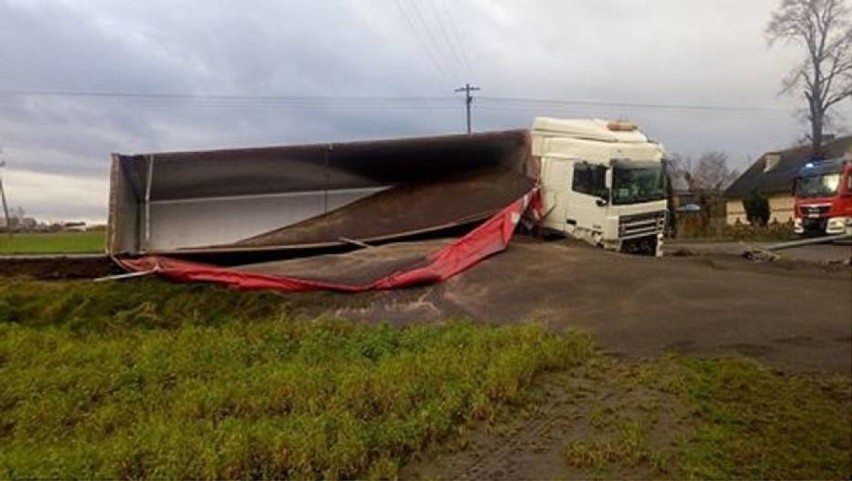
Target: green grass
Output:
[(720, 418), (148, 379), (168, 389), (751, 422), (119, 308), (52, 243)]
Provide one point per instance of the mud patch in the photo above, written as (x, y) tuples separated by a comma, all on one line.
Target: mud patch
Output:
[(680, 346), (55, 268), (405, 306), (803, 341), (746, 349), (550, 440), (642, 306), (638, 306)]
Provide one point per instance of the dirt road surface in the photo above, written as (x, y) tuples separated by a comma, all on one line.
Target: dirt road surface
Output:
[(53, 267), (794, 315), (820, 253)]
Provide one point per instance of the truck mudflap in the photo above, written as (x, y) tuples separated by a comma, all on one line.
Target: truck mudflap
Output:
[(387, 267)]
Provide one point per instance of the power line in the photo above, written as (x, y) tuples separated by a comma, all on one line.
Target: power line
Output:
[(3, 199), (507, 103), (468, 99), (445, 37), (454, 34), (203, 97), (423, 44), (557, 102), (432, 38), (162, 99)]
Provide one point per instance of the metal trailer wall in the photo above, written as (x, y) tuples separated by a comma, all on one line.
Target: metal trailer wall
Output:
[(182, 201), (193, 223), (125, 201)]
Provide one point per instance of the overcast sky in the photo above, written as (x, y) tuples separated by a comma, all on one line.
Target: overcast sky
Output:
[(641, 60)]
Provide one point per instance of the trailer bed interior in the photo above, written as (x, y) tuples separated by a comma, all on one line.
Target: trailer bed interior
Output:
[(237, 201)]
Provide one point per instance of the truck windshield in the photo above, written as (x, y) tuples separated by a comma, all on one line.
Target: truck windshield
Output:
[(632, 184), (818, 186)]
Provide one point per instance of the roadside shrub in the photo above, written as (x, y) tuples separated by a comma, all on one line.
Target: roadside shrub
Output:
[(756, 207), (774, 231)]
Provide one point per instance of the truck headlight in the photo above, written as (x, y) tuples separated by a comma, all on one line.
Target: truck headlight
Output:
[(836, 224)]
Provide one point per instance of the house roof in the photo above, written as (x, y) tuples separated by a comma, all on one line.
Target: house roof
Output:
[(779, 179)]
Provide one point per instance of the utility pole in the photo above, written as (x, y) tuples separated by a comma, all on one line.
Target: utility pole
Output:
[(5, 206), (467, 89)]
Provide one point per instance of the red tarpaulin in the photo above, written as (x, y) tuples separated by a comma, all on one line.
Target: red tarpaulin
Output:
[(487, 239)]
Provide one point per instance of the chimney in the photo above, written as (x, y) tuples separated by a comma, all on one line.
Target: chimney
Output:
[(772, 161)]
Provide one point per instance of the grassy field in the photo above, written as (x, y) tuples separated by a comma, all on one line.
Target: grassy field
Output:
[(146, 379), (717, 418), (52, 243), (167, 389)]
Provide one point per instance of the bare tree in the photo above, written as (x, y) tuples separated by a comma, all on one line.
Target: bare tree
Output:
[(709, 173), (712, 171), (823, 28)]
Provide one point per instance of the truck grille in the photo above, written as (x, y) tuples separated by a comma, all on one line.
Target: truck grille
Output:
[(806, 210), (630, 226)]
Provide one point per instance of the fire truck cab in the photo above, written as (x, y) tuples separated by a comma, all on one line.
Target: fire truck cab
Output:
[(823, 202)]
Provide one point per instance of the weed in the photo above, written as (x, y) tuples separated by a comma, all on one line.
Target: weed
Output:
[(725, 417), (148, 379), (756, 423), (193, 382)]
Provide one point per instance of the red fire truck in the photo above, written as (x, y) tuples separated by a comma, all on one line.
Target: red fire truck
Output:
[(824, 197)]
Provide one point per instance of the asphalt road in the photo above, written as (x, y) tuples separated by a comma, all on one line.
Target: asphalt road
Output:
[(796, 316), (835, 252)]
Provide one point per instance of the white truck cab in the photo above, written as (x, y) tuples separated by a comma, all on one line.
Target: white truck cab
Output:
[(603, 182)]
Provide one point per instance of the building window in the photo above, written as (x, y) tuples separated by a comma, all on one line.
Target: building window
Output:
[(589, 179)]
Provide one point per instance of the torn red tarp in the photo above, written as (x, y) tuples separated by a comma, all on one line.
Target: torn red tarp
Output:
[(490, 237)]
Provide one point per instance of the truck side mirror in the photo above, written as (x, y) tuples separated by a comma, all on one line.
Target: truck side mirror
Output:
[(600, 202)]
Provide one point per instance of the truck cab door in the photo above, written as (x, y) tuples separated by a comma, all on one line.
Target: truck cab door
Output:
[(575, 196), (588, 197), (556, 182)]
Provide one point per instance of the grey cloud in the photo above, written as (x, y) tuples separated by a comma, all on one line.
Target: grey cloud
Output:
[(618, 51)]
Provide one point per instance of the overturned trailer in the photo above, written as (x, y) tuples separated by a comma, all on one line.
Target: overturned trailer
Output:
[(249, 208), (232, 216), (301, 197)]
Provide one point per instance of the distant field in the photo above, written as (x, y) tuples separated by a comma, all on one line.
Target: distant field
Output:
[(52, 243)]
